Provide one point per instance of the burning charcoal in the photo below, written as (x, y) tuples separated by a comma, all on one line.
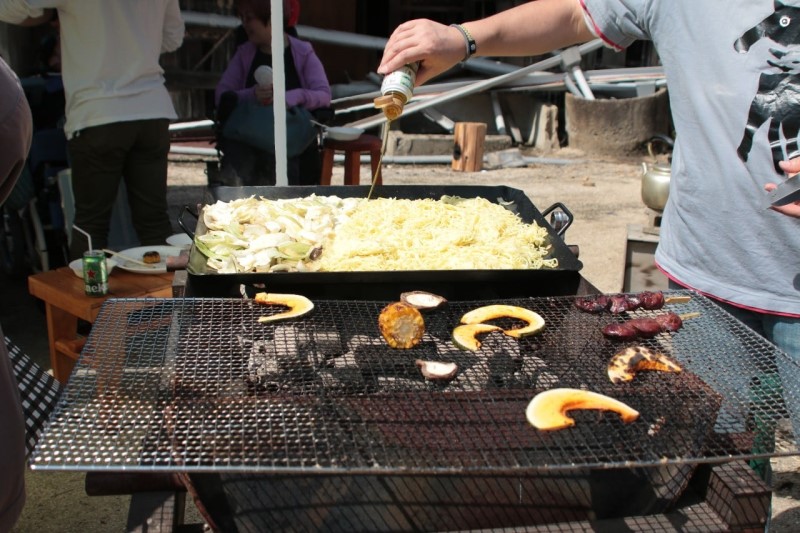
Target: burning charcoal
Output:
[(359, 341), (319, 347), (496, 342), (394, 384), (328, 342), (262, 363), (345, 380), (374, 361), (286, 340), (475, 378), (656, 426), (348, 360), (529, 369), (546, 380)]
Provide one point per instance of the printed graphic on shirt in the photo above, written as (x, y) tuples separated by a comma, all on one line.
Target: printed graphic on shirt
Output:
[(778, 96)]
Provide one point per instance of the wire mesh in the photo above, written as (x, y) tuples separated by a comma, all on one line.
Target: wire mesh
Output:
[(199, 385)]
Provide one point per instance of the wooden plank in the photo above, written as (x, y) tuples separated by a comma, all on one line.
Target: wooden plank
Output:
[(469, 138)]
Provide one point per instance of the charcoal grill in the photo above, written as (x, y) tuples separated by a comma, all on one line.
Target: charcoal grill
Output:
[(316, 423)]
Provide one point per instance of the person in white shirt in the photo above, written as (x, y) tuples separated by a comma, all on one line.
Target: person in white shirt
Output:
[(117, 107)]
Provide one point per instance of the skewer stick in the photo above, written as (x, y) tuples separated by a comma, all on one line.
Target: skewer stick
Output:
[(687, 316), (677, 299)]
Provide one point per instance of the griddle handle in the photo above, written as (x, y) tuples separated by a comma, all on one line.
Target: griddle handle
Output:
[(182, 224), (178, 262), (561, 219)]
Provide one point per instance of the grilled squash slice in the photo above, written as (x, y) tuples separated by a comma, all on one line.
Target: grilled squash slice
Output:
[(548, 410), (465, 336), (401, 325), (298, 305), (625, 364), (491, 312)]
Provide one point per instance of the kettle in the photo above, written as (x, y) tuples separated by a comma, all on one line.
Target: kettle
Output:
[(656, 177)]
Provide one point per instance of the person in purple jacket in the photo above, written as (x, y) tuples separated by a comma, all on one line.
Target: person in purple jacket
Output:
[(306, 85)]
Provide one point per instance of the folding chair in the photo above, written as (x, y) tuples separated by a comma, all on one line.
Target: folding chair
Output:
[(38, 390)]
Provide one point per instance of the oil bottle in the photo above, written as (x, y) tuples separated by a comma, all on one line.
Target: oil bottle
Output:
[(396, 90)]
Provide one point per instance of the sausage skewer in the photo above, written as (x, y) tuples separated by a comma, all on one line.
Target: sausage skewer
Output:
[(644, 328), (619, 303)]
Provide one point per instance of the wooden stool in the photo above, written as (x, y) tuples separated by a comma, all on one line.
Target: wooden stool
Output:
[(352, 158)]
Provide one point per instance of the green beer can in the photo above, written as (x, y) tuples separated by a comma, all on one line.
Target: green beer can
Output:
[(95, 273)]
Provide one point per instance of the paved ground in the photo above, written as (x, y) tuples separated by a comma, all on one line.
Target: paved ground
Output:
[(603, 196)]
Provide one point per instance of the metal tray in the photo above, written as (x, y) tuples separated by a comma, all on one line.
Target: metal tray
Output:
[(449, 283)]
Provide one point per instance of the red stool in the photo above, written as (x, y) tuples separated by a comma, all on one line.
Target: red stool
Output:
[(352, 158)]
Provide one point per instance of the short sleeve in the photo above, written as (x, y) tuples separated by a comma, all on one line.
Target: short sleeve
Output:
[(618, 22)]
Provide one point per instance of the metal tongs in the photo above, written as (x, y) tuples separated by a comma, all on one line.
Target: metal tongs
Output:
[(785, 193)]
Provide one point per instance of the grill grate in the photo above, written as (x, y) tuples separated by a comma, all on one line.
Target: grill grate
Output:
[(198, 384)]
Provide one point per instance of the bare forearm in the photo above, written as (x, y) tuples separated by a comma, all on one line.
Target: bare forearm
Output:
[(534, 28)]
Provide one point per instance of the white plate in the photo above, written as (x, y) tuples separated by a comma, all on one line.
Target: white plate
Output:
[(138, 252), (181, 240), (77, 266)]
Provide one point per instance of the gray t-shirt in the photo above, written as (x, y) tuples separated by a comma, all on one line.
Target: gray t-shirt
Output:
[(732, 75)]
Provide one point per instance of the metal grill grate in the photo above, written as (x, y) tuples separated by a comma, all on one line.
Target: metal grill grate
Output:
[(198, 384)]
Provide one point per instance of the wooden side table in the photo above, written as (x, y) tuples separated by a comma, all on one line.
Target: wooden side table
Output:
[(65, 303)]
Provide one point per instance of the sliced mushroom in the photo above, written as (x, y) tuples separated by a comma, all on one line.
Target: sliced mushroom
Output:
[(422, 300), (548, 410), (625, 364), (437, 371)]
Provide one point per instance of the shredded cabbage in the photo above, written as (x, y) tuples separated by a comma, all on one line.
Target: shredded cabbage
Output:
[(356, 234)]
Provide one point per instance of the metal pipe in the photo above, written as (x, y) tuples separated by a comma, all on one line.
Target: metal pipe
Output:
[(341, 38), (387, 159)]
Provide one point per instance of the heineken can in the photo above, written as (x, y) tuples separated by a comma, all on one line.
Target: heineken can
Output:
[(95, 273)]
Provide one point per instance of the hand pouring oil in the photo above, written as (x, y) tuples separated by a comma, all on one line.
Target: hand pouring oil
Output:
[(397, 89)]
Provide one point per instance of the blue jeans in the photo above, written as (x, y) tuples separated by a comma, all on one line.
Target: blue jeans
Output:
[(784, 332)]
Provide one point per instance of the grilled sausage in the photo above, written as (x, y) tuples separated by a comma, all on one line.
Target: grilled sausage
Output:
[(643, 327), (621, 331), (651, 300), (669, 322), (592, 304), (620, 303)]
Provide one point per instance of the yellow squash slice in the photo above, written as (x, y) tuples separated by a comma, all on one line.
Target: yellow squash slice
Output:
[(491, 312), (548, 410), (465, 336), (625, 364), (298, 305)]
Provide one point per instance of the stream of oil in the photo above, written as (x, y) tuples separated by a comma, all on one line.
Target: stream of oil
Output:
[(384, 143)]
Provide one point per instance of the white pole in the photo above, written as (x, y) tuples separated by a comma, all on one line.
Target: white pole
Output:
[(279, 93)]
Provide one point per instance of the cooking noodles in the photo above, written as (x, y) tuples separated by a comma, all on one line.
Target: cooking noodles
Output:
[(328, 233)]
